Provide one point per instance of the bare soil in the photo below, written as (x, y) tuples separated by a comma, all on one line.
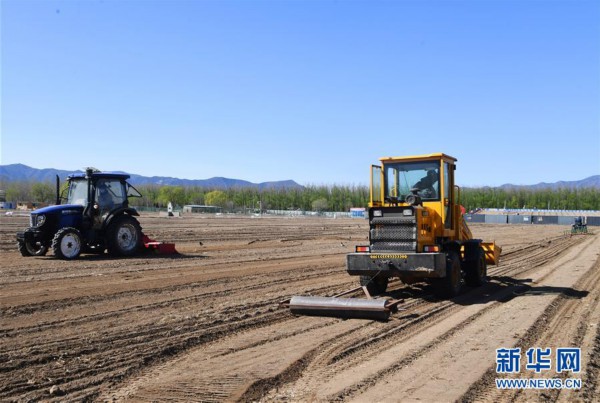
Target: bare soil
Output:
[(205, 325)]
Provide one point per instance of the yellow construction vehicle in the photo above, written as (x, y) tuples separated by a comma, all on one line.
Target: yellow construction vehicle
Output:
[(416, 233)]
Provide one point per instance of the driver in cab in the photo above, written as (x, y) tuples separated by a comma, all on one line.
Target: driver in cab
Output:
[(104, 201), (425, 185)]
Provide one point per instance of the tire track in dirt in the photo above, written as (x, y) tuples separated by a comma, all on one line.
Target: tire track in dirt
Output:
[(184, 336), (134, 331), (564, 323), (147, 265), (87, 287), (224, 285), (336, 349), (442, 351), (263, 312), (591, 378), (392, 334)]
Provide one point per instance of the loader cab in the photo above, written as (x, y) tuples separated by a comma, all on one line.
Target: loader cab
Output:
[(403, 179), (422, 181)]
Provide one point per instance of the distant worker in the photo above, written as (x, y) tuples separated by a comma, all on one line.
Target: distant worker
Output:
[(425, 185)]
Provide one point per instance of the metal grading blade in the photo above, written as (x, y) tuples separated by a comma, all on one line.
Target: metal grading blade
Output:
[(346, 308)]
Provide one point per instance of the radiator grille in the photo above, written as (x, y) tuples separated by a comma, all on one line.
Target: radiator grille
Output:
[(394, 237), (400, 220), (394, 246), (394, 232)]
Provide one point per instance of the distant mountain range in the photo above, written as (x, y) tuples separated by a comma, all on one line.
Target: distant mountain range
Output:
[(590, 182), (20, 172)]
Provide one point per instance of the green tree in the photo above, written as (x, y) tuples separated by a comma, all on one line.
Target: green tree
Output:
[(149, 195), (320, 204), (216, 198), (18, 192), (42, 193), (174, 194), (195, 195)]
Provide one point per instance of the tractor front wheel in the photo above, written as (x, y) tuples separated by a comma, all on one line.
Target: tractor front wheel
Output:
[(28, 249), (124, 236), (67, 243)]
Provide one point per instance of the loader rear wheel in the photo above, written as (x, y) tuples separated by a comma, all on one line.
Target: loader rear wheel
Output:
[(476, 270), (67, 243), (375, 285), (124, 236), (450, 286)]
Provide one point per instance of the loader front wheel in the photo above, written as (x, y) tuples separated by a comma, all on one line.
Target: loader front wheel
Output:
[(124, 236), (476, 270), (375, 285), (450, 286)]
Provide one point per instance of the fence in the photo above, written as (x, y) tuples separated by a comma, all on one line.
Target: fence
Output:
[(498, 216), (528, 219), (540, 212)]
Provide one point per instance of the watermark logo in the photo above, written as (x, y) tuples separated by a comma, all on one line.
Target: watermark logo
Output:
[(508, 360), (537, 360), (568, 359)]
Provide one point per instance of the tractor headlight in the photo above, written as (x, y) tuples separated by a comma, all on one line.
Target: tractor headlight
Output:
[(41, 219), (377, 213)]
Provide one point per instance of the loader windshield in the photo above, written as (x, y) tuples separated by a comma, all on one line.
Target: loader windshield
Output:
[(403, 178)]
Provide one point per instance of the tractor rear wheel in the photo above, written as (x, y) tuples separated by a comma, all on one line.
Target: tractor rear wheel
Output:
[(124, 236), (67, 243), (476, 270), (375, 285)]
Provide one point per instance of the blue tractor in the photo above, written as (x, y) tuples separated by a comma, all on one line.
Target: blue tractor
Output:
[(579, 226), (96, 217)]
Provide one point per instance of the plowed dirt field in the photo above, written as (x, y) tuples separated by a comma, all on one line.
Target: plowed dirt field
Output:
[(205, 325)]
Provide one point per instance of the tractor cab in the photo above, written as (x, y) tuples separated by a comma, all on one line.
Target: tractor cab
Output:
[(101, 194)]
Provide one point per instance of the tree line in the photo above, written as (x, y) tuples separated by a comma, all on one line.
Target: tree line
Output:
[(523, 198), (308, 198), (320, 197)]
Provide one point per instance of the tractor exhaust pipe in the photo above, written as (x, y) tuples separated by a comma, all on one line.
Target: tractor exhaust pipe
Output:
[(57, 190), (90, 202)]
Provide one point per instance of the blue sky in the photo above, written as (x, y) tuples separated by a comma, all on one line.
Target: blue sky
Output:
[(314, 91)]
